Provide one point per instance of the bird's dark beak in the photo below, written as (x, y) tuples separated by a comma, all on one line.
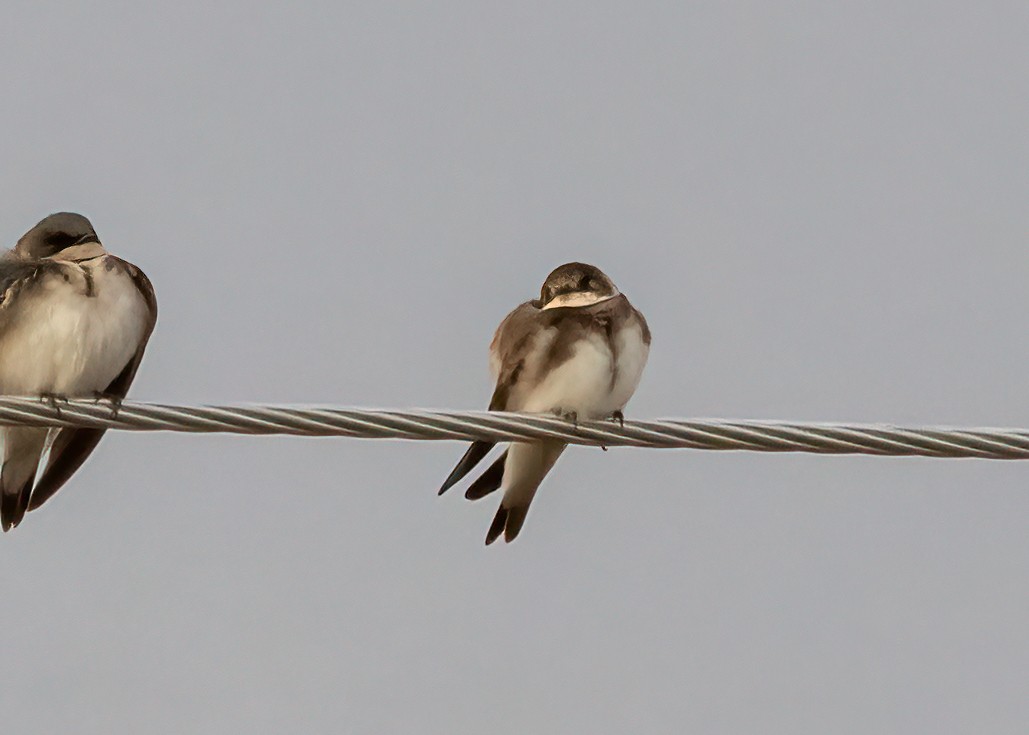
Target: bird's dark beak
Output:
[(87, 239)]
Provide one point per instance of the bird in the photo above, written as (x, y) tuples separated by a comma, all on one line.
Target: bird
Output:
[(578, 351), (74, 321)]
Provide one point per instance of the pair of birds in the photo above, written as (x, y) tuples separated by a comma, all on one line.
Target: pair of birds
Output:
[(74, 321)]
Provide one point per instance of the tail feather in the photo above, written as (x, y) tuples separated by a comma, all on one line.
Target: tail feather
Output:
[(526, 466), (498, 525), (507, 521), (515, 519), (13, 503), (22, 449), (472, 457)]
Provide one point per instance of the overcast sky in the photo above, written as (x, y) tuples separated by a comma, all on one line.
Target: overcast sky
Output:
[(820, 207)]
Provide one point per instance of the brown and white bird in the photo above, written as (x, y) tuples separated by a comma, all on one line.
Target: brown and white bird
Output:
[(74, 321), (578, 351)]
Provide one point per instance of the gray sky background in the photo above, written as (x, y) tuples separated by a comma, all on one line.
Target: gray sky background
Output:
[(822, 210)]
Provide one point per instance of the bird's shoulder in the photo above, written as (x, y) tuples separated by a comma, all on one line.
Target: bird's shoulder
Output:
[(18, 275), (139, 279)]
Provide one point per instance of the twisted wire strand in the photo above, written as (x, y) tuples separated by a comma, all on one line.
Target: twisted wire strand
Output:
[(715, 434)]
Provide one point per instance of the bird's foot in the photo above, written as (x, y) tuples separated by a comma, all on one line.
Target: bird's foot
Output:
[(571, 416), (51, 399), (115, 401), (619, 417)]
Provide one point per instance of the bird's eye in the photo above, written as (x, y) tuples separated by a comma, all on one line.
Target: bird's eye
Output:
[(60, 240)]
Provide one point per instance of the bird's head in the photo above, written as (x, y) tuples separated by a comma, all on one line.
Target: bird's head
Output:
[(61, 236), (576, 284)]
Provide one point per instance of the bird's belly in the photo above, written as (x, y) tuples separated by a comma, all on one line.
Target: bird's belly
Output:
[(65, 341), (581, 384), (632, 354), (595, 382)]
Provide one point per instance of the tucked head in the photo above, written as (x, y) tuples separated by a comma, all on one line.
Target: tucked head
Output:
[(576, 284), (62, 236)]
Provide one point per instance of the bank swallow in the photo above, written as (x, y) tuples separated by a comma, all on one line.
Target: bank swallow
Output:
[(578, 351), (74, 321)]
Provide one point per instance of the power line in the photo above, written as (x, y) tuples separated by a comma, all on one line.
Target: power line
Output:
[(757, 436)]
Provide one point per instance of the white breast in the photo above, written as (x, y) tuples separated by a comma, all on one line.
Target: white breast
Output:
[(58, 339), (582, 383), (632, 357), (592, 382)]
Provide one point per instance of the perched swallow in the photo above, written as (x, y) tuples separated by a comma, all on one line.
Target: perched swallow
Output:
[(578, 351), (74, 321)]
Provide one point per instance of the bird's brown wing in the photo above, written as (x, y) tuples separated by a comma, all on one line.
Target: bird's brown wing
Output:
[(511, 342)]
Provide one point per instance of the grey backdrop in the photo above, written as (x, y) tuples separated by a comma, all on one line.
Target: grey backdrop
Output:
[(822, 210)]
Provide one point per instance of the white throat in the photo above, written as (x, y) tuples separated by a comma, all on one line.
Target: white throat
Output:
[(579, 298), (85, 251)]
